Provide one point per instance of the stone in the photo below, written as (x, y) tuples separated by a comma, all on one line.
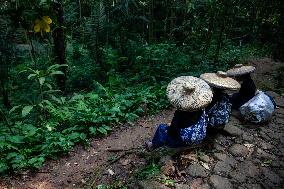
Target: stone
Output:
[(218, 147), (205, 158), (182, 186), (277, 98), (226, 158), (250, 186), (168, 167), (196, 183), (150, 184), (238, 150), (244, 171), (196, 170), (233, 130), (220, 182), (205, 186), (264, 155), (249, 169), (238, 176), (222, 167), (271, 176)]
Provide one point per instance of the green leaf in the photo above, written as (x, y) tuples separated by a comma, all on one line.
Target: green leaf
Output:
[(93, 130), (3, 167), (31, 75), (48, 85), (57, 73), (36, 162), (102, 130), (17, 139), (26, 110), (107, 128), (41, 80), (14, 108)]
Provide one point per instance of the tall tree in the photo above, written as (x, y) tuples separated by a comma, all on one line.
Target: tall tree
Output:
[(59, 42)]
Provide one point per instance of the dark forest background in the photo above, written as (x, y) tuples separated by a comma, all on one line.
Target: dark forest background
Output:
[(74, 69)]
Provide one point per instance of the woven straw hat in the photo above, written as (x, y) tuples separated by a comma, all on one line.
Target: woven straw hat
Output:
[(240, 69), (220, 80), (189, 93)]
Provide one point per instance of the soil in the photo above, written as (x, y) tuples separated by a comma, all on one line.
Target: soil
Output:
[(244, 156)]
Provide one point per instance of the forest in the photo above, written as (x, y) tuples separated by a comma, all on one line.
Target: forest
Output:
[(74, 70)]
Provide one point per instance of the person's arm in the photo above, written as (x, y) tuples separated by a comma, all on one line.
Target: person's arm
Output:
[(174, 128)]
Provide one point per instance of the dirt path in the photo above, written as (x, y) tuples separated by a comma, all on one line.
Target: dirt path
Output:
[(249, 157)]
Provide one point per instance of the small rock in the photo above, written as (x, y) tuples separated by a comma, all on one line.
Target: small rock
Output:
[(277, 98), (248, 137), (125, 162), (239, 150), (196, 170), (233, 130), (205, 158), (245, 170), (196, 183), (219, 147), (271, 176), (264, 155), (83, 181), (222, 167), (266, 146), (220, 182), (150, 184), (168, 169), (204, 186), (182, 186), (226, 158), (238, 176), (111, 172), (253, 186), (249, 169), (205, 165)]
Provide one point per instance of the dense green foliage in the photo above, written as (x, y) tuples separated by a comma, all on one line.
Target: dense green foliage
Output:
[(104, 63)]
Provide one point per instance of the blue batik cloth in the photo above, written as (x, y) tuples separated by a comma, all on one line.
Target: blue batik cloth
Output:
[(193, 134), (219, 113)]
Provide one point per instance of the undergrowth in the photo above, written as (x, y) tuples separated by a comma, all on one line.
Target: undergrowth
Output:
[(50, 124)]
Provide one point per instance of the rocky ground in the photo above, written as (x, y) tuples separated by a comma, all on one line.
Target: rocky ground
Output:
[(242, 156)]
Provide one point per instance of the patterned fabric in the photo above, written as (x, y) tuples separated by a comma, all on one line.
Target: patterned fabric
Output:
[(193, 134), (220, 112), (259, 109), (246, 93)]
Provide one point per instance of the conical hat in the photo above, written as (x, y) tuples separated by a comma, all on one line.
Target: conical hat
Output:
[(189, 93), (240, 69), (220, 80)]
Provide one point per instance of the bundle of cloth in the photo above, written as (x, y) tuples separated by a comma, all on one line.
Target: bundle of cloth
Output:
[(202, 104), (254, 105)]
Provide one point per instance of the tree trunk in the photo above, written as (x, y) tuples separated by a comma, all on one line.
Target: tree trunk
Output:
[(151, 21), (219, 43), (209, 34), (59, 43)]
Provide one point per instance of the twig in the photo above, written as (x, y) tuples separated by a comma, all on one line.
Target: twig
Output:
[(121, 149)]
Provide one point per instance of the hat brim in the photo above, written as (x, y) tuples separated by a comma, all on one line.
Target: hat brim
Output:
[(195, 100), (214, 80), (240, 71)]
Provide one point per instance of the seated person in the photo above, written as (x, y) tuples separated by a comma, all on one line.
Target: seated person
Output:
[(248, 89), (219, 110), (255, 106), (190, 95)]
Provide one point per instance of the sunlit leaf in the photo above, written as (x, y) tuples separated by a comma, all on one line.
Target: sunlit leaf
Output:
[(26, 110), (14, 108), (41, 80)]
